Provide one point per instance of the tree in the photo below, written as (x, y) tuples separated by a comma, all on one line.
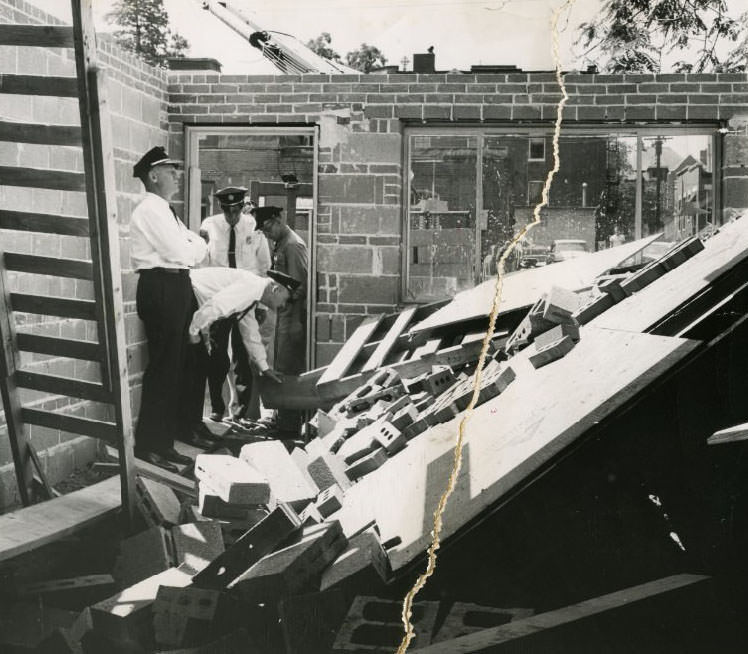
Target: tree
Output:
[(144, 29), (321, 45), (365, 58), (633, 35)]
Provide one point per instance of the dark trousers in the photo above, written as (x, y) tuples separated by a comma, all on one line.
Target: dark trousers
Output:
[(290, 357), (219, 365), (165, 304)]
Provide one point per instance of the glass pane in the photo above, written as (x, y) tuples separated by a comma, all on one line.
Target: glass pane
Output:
[(677, 184), (441, 216), (277, 169)]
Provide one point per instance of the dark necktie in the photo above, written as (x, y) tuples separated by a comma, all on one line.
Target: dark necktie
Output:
[(174, 213), (232, 248)]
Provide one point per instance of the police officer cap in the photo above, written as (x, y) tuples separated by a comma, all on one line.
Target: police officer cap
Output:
[(263, 214), (284, 280), (231, 195), (154, 157)]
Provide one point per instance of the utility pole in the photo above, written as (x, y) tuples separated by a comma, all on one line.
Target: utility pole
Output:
[(658, 157)]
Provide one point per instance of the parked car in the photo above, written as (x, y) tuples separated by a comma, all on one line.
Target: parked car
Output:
[(533, 255), (564, 249)]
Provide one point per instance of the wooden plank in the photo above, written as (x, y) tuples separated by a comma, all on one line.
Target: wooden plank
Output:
[(348, 353), (28, 529), (62, 386), (510, 437), (296, 392), (55, 180), (53, 306), (106, 431), (43, 134), (66, 87), (33, 263), (487, 639), (732, 434), (45, 223), (174, 481), (386, 344), (20, 446), (63, 347), (40, 36)]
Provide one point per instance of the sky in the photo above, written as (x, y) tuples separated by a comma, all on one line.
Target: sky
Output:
[(463, 32)]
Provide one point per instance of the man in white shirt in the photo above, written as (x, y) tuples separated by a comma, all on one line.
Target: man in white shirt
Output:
[(162, 251), (228, 294), (232, 243)]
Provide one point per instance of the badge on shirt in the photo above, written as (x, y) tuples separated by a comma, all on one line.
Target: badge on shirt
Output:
[(248, 240)]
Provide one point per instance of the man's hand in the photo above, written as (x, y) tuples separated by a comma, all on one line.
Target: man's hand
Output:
[(260, 315), (205, 236), (272, 374)]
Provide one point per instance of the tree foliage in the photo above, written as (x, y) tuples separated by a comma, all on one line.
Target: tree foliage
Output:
[(321, 45), (634, 35), (365, 58), (144, 29)]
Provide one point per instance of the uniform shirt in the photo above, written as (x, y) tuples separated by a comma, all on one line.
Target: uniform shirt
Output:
[(252, 250), (158, 239), (222, 292), (290, 256)]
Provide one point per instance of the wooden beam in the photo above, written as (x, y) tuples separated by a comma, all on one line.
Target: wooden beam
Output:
[(28, 530), (66, 87), (53, 306), (43, 134), (488, 639), (106, 431), (149, 471), (41, 36), (33, 263), (387, 343), (62, 347), (45, 223), (350, 350), (55, 180), (729, 435), (62, 386)]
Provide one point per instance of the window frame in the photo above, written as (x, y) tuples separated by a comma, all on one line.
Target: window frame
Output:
[(640, 131)]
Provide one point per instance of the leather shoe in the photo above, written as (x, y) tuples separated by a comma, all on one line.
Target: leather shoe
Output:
[(215, 416), (203, 431), (172, 455), (156, 460)]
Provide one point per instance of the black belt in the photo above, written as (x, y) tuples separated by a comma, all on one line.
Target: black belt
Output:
[(171, 271)]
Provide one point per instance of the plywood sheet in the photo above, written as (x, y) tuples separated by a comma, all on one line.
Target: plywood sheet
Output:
[(29, 528), (523, 287), (643, 309), (509, 437)]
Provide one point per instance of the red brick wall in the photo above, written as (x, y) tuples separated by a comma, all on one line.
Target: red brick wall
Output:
[(360, 215), (137, 100)]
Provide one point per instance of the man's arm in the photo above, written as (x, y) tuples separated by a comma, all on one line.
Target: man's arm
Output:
[(250, 331), (167, 237), (297, 260)]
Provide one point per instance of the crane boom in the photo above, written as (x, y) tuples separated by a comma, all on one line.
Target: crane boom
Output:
[(286, 52)]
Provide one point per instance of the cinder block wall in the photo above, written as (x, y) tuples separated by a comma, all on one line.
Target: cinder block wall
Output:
[(360, 215), (137, 98)]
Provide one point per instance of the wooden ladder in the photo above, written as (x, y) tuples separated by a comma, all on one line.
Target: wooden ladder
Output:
[(93, 136)]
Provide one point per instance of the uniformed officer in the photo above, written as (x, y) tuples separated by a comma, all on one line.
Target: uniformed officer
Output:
[(290, 256), (233, 242), (162, 251)]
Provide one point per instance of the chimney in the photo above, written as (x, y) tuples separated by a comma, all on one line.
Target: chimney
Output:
[(424, 63)]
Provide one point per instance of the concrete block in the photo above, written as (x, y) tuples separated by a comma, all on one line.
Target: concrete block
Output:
[(366, 464), (438, 381), (143, 555), (311, 515), (249, 549), (390, 438), (363, 563), (287, 483), (325, 423), (212, 506), (415, 428), (196, 544), (127, 615), (374, 625), (233, 479), (329, 501), (300, 457), (552, 352), (26, 625), (560, 304), (294, 568), (495, 382), (613, 288), (325, 468), (644, 277), (592, 309), (559, 331), (465, 618), (404, 416)]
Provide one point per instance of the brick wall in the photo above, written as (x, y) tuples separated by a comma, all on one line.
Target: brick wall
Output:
[(360, 215), (137, 98)]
